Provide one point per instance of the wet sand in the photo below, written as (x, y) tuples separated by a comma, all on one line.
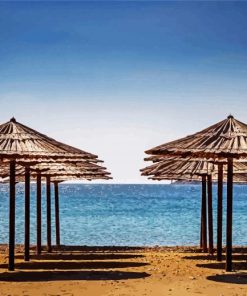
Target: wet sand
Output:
[(123, 271)]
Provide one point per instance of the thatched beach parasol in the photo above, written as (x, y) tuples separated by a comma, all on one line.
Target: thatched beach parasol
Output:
[(21, 143), (226, 140)]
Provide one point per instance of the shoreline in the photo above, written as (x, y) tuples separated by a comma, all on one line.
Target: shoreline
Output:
[(178, 248)]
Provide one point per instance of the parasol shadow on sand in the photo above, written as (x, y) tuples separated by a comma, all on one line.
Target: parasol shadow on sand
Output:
[(41, 276), (235, 278)]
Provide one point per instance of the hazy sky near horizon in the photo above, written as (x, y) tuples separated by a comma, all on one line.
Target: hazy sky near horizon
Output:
[(116, 78)]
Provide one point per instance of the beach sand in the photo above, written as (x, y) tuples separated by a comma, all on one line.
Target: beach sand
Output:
[(123, 271)]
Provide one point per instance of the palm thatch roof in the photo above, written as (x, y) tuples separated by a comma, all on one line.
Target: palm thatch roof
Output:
[(20, 141), (58, 170), (44, 154), (227, 138), (74, 178), (187, 169), (59, 173), (179, 167), (62, 178), (46, 160), (238, 178)]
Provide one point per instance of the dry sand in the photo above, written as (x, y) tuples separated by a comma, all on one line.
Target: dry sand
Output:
[(123, 272)]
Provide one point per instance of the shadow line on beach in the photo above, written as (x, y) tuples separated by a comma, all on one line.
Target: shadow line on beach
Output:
[(241, 250), (237, 278), (213, 257), (125, 249), (201, 257), (55, 256), (75, 265), (221, 265), (39, 276)]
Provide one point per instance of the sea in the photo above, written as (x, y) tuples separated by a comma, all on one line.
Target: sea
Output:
[(124, 214)]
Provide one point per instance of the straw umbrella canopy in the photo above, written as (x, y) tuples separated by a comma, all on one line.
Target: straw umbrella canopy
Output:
[(188, 166), (56, 169), (226, 139), (19, 142)]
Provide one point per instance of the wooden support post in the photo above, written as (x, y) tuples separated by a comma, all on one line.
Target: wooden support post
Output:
[(204, 213), (219, 212), (12, 215), (39, 193), (201, 233), (56, 194), (210, 217), (27, 214), (229, 214), (48, 212), (201, 240)]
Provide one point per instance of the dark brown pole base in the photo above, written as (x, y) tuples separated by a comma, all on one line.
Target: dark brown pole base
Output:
[(204, 214), (27, 215), (219, 212), (57, 218), (48, 212), (210, 217), (229, 214), (201, 224), (38, 247), (11, 265)]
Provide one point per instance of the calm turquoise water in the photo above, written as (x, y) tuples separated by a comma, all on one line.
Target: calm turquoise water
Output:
[(125, 214)]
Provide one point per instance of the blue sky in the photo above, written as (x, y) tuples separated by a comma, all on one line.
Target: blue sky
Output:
[(116, 78)]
